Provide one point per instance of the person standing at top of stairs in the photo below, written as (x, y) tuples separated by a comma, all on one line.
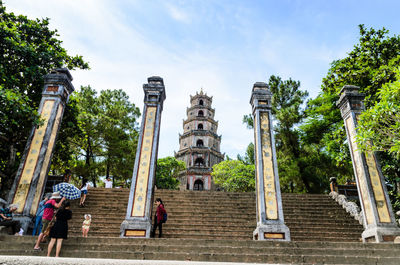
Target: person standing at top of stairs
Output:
[(108, 183), (158, 218)]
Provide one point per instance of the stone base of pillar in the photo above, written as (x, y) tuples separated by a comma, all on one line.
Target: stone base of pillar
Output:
[(135, 228), (380, 234), (271, 232), (24, 220)]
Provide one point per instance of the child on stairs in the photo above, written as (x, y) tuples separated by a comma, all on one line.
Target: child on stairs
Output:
[(86, 225)]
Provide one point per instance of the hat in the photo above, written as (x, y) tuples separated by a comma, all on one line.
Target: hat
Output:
[(14, 205), (90, 217), (55, 195)]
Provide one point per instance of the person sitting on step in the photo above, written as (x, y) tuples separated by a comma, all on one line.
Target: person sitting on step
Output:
[(6, 219)]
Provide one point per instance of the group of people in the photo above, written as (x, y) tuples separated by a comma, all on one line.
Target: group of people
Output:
[(53, 215)]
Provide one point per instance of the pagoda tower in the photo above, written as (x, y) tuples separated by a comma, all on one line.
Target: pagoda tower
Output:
[(199, 144)]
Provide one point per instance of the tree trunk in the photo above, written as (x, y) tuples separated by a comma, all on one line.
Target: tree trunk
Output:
[(107, 169)]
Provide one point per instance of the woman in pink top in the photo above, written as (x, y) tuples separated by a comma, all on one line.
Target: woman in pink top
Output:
[(48, 213)]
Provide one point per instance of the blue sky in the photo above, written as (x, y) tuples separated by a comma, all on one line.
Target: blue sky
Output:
[(221, 46)]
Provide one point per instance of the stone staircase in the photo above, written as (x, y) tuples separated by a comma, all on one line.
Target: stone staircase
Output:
[(217, 226), (220, 215)]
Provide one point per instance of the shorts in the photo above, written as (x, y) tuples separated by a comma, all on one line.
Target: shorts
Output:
[(45, 223), (83, 191)]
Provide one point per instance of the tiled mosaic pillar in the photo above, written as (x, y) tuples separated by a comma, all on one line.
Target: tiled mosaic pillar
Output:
[(378, 218), (31, 177), (137, 222), (270, 221)]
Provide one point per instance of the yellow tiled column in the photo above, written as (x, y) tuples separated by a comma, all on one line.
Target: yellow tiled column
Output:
[(379, 221), (30, 181), (270, 221), (137, 222)]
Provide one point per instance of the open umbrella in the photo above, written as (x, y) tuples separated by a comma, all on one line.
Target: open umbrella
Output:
[(67, 190)]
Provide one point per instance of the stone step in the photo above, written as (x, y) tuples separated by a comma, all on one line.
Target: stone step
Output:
[(201, 223), (208, 242), (172, 198), (245, 232), (216, 257), (214, 250), (208, 249), (101, 202), (220, 215)]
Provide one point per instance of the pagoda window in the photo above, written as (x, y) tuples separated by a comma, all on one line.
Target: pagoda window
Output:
[(199, 161), (199, 143), (200, 126), (201, 103), (201, 113)]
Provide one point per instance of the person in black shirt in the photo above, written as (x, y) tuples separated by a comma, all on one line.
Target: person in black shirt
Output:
[(60, 229)]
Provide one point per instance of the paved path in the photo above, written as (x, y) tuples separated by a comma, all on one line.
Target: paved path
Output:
[(34, 260)]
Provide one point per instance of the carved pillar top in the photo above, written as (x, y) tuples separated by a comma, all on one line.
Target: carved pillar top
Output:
[(58, 84), (350, 100), (260, 96), (154, 91)]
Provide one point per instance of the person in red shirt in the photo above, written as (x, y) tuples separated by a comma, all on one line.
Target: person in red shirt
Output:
[(158, 219), (54, 202)]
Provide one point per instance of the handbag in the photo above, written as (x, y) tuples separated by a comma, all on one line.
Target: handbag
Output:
[(50, 226)]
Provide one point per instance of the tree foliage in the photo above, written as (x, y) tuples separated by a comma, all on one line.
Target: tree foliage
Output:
[(234, 175), (371, 64), (379, 126), (298, 162), (168, 170), (248, 158), (109, 133), (29, 50)]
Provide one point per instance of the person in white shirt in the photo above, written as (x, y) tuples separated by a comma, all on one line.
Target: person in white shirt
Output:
[(108, 183)]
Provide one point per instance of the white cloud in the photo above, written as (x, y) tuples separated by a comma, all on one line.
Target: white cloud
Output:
[(123, 51), (177, 13)]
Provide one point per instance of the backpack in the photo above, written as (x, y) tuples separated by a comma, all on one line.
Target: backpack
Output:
[(165, 217)]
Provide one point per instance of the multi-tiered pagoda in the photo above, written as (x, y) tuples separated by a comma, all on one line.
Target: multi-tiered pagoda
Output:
[(199, 144)]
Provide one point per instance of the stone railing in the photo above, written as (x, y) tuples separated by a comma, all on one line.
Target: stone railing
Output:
[(349, 189), (350, 207)]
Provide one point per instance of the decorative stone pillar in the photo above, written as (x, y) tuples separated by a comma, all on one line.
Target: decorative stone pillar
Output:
[(378, 218), (137, 222), (270, 221), (30, 181)]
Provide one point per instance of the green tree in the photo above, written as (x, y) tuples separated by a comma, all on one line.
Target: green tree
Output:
[(371, 64), (378, 130), (118, 132), (248, 157), (109, 133), (63, 157), (379, 126), (168, 170), (234, 175), (29, 50), (292, 156), (87, 145)]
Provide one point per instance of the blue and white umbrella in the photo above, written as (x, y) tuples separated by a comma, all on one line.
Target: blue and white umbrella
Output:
[(67, 190)]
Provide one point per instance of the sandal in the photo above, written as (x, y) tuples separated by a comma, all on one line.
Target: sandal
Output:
[(38, 249)]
